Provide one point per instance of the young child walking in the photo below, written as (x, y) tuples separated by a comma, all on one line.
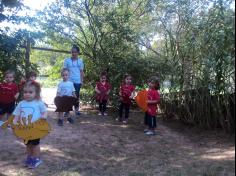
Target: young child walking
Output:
[(126, 93), (102, 90), (8, 94), (65, 98), (153, 98), (31, 105)]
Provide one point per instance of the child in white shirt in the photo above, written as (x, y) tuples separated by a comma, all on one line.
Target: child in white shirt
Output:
[(66, 97)]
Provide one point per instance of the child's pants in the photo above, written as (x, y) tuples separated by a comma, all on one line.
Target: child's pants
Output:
[(103, 106), (126, 107)]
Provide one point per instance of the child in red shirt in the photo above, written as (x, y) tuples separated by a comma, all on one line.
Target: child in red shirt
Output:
[(126, 93), (8, 94), (102, 90), (153, 100)]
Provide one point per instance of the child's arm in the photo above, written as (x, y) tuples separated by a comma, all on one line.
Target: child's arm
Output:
[(58, 90), (17, 95), (16, 119), (44, 115), (156, 99), (152, 102), (74, 94), (96, 90)]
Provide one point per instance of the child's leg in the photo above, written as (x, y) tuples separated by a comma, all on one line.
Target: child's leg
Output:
[(153, 123), (29, 150), (100, 108), (146, 122), (104, 106), (36, 151), (127, 108), (1, 117), (60, 118), (121, 110), (35, 161)]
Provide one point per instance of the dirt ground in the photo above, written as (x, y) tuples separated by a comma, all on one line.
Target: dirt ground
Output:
[(100, 146)]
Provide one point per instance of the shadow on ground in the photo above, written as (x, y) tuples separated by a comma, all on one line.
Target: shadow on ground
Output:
[(100, 146)]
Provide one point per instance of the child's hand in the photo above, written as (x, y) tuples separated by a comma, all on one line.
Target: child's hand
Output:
[(15, 122)]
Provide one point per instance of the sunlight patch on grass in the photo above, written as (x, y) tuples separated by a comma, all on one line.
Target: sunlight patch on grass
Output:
[(54, 151), (69, 173), (105, 124), (118, 159), (220, 155)]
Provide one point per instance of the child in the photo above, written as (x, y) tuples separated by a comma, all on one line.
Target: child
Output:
[(31, 106), (31, 77), (153, 100), (66, 97), (8, 94), (102, 90), (126, 93)]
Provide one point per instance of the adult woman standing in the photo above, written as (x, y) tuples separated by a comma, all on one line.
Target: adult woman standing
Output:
[(76, 68)]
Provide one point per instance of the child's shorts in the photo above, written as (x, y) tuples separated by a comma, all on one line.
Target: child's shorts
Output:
[(7, 108), (33, 142), (150, 121), (65, 103)]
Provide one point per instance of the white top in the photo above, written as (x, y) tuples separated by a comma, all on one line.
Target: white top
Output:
[(74, 67), (65, 88), (33, 108)]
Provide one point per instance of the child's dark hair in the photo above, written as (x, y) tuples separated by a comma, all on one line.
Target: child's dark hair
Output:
[(155, 80), (126, 76), (64, 70), (12, 72), (31, 74), (36, 86), (76, 47), (104, 73)]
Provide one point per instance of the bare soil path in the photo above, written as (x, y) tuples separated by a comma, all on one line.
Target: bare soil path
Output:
[(97, 146)]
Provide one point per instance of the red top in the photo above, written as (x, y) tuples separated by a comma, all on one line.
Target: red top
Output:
[(22, 84), (8, 92), (126, 92), (153, 95), (103, 88)]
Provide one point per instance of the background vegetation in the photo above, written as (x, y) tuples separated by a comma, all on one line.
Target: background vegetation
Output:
[(187, 43)]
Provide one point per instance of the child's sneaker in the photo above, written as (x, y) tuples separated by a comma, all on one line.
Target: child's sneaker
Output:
[(125, 121), (77, 113), (60, 122), (66, 114), (99, 113), (105, 114), (150, 133), (118, 119), (146, 130), (28, 161), (70, 120), (35, 163)]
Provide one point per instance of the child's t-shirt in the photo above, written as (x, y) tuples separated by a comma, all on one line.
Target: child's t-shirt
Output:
[(65, 88), (33, 108), (103, 88), (8, 92), (153, 95), (126, 92)]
